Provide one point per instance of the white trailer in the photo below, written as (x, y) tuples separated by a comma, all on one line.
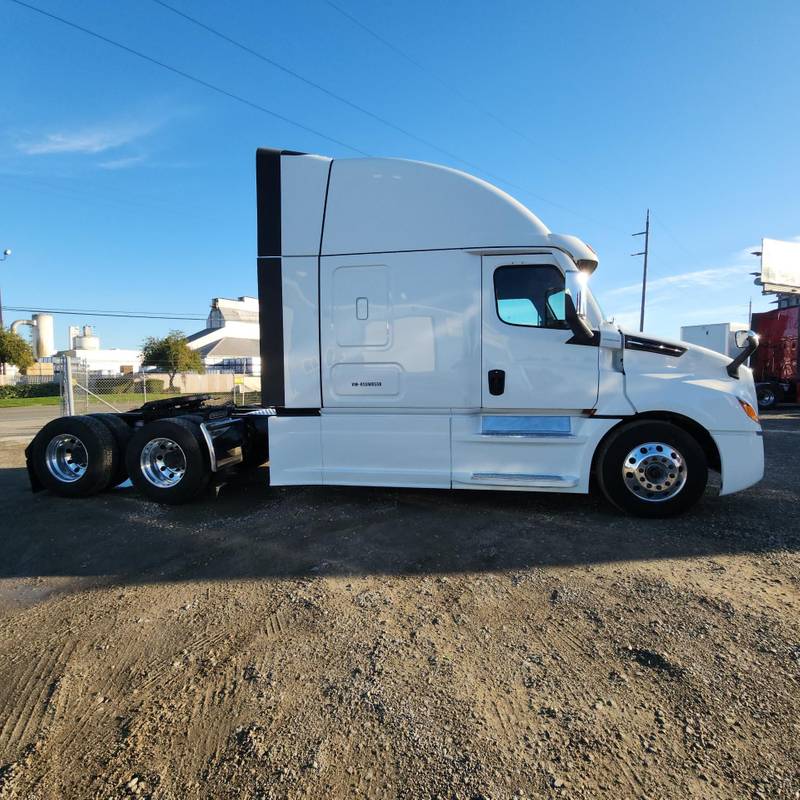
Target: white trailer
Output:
[(422, 328), (719, 337)]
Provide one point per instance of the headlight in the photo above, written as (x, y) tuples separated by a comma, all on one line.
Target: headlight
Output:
[(748, 409)]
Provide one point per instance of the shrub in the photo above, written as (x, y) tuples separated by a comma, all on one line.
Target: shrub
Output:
[(19, 390), (112, 384), (153, 386)]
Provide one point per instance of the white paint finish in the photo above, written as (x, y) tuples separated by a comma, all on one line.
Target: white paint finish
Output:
[(361, 306), (295, 451), (695, 385), (384, 204), (432, 338), (300, 332), (611, 397), (358, 380), (742, 459), (386, 450), (303, 182), (542, 371), (565, 459)]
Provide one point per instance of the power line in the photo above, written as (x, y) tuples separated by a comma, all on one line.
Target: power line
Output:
[(453, 89), (88, 312), (252, 104), (660, 222), (315, 85), (359, 108), (187, 76), (438, 78)]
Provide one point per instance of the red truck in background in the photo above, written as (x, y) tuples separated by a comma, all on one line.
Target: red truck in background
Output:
[(775, 364)]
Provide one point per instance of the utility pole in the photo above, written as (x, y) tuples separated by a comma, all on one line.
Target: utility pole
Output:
[(646, 234), (6, 254)]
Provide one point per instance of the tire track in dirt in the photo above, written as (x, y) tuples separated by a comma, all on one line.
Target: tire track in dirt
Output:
[(28, 698)]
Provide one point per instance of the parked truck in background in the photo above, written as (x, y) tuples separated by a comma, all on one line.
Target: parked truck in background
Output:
[(421, 328), (776, 363)]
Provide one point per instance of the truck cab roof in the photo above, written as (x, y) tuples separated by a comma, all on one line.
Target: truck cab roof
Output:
[(329, 207)]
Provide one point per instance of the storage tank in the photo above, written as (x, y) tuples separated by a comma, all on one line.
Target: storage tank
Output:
[(87, 340), (44, 340)]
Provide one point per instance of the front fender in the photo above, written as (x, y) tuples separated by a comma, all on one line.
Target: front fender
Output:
[(693, 385)]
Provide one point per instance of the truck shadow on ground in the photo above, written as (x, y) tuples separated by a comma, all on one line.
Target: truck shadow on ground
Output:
[(252, 531)]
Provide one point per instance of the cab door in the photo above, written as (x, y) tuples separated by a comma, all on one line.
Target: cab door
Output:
[(530, 358)]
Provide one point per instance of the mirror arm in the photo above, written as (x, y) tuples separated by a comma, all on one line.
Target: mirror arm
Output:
[(577, 322), (733, 367)]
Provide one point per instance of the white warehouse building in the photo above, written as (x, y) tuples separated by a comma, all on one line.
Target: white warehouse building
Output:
[(230, 340)]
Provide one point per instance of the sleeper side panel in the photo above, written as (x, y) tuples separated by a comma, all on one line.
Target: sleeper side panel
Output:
[(300, 317), (401, 330)]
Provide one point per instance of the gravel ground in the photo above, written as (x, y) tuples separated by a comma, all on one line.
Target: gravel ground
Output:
[(329, 643)]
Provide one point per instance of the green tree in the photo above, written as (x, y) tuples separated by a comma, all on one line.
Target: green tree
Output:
[(171, 354), (14, 350)]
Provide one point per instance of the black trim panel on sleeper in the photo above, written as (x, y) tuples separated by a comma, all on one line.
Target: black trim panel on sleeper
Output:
[(270, 317)]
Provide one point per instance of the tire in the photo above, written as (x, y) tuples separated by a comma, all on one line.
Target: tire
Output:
[(167, 461), (74, 456), (652, 451), (767, 396), (121, 432)]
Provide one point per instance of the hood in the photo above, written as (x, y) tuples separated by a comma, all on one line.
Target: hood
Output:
[(668, 374)]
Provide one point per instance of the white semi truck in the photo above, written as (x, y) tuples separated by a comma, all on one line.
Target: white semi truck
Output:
[(421, 328)]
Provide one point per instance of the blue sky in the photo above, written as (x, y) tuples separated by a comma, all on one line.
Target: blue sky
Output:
[(123, 186)]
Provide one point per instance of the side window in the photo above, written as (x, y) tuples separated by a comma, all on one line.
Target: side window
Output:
[(530, 295)]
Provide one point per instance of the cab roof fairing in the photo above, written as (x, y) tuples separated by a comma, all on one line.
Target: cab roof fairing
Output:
[(378, 205)]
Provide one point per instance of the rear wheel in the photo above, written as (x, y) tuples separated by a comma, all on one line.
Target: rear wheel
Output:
[(121, 432), (652, 469), (74, 456), (167, 461)]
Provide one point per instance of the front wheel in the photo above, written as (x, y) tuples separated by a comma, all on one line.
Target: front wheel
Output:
[(652, 469), (167, 462)]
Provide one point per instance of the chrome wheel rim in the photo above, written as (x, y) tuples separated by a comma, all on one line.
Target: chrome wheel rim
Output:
[(163, 462), (66, 458), (654, 472)]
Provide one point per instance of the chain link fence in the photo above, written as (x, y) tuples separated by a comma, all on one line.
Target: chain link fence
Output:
[(85, 390)]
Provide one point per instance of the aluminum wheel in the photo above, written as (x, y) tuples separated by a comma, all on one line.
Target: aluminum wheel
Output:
[(66, 458), (766, 398), (163, 462), (654, 472)]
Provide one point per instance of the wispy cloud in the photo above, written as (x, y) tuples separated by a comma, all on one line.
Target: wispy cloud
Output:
[(90, 140), (122, 163), (684, 281)]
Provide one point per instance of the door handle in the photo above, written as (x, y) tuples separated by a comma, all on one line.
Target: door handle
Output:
[(497, 381)]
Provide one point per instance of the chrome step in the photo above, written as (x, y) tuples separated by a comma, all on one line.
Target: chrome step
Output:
[(529, 479)]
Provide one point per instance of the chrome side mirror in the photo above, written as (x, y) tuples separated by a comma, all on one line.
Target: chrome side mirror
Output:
[(575, 306), (742, 338), (575, 283), (748, 341)]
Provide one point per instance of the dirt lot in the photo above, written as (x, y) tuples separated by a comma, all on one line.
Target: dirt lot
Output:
[(331, 643)]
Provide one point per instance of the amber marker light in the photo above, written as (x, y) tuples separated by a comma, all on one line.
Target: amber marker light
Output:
[(749, 410)]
